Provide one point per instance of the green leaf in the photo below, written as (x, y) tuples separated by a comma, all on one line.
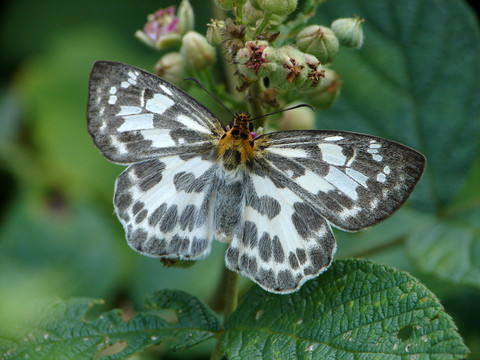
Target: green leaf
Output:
[(67, 330), (415, 80), (449, 250), (356, 310)]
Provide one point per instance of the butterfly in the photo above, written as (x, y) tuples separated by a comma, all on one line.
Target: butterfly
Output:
[(272, 197)]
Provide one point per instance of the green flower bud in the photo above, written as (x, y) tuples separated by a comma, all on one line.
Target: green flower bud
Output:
[(225, 4), (196, 51), (186, 18), (327, 92), (214, 31), (315, 75), (292, 68), (251, 13), (252, 60), (319, 41), (277, 7), (171, 67), (298, 119), (349, 31)]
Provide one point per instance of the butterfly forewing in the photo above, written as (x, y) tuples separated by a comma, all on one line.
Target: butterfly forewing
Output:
[(133, 115), (353, 180)]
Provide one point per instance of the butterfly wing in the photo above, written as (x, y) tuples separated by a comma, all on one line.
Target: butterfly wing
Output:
[(165, 206), (164, 199), (353, 180), (283, 242), (133, 115)]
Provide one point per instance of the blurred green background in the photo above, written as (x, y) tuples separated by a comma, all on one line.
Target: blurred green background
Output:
[(59, 236)]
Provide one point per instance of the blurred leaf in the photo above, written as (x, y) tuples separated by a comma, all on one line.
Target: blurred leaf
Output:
[(415, 81), (357, 309), (449, 250), (64, 329), (393, 230), (67, 249)]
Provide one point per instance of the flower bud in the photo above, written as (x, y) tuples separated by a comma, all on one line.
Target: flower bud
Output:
[(186, 18), (251, 13), (214, 31), (349, 31), (327, 92), (292, 70), (161, 29), (315, 75), (196, 51), (277, 7), (171, 67), (252, 60), (319, 41), (225, 4), (298, 119)]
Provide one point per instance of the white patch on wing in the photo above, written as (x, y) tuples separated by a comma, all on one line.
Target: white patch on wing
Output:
[(166, 89), (332, 154), (159, 103), (342, 182), (350, 161), (333, 138), (112, 100), (137, 122), (113, 90), (129, 110), (189, 123), (377, 157), (386, 169), (288, 152), (381, 177), (313, 183), (125, 84), (348, 213), (159, 137), (118, 145), (357, 176)]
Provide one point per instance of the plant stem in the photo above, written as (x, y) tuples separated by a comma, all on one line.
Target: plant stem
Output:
[(231, 302), (253, 100), (231, 294)]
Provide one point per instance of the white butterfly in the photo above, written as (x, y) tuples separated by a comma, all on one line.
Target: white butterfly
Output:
[(272, 197)]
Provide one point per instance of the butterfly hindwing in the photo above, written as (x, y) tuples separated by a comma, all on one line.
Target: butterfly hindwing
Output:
[(283, 242), (165, 206), (134, 115), (353, 180)]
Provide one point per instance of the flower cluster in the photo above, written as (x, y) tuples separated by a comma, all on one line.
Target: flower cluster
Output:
[(266, 44)]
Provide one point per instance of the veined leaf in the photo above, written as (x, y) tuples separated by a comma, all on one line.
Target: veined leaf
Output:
[(356, 310), (61, 330)]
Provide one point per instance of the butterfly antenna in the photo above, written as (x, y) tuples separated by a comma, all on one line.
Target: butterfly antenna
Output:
[(209, 93), (280, 111)]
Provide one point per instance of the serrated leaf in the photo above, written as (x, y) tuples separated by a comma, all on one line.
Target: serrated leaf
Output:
[(62, 330), (356, 310), (449, 250), (415, 80)]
